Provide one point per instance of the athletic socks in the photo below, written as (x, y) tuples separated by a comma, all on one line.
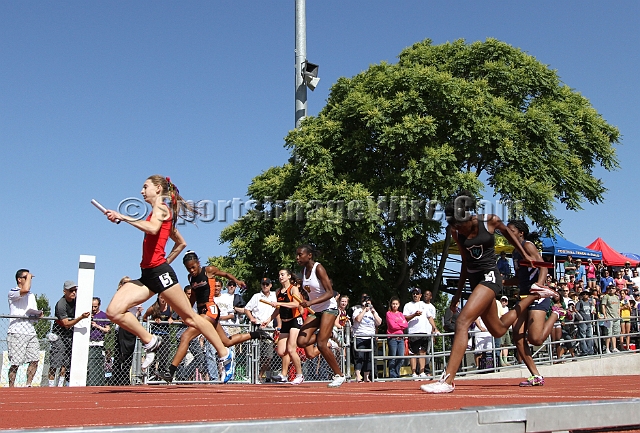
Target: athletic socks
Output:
[(152, 343)]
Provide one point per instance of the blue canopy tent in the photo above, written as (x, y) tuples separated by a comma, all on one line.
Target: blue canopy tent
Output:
[(562, 248)]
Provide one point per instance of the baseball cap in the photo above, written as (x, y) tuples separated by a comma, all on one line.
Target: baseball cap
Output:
[(231, 283), (504, 298), (416, 290), (69, 285), (265, 281)]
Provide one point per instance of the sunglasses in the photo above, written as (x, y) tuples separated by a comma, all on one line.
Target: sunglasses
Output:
[(72, 290)]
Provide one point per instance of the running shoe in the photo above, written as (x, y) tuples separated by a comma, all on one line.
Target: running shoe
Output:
[(615, 350), (151, 353), (297, 380), (422, 376), (544, 291), (279, 378), (166, 376), (336, 381), (439, 387), (229, 365), (415, 376), (533, 380)]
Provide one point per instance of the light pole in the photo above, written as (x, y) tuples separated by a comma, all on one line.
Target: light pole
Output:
[(301, 57)]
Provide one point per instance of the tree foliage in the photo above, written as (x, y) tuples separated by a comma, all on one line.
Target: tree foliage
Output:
[(445, 117)]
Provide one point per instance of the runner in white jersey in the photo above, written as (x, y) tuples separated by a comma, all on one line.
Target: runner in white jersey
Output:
[(316, 283)]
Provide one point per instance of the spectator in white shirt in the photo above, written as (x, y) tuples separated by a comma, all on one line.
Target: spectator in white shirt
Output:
[(259, 314), (420, 317), (365, 321), (22, 340)]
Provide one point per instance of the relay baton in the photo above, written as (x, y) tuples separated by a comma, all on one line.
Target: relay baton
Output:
[(297, 298), (101, 208)]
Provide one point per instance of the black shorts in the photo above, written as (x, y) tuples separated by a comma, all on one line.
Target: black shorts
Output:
[(490, 278), (295, 323), (542, 304), (419, 344), (158, 279)]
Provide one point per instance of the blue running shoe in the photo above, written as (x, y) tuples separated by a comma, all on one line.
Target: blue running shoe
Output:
[(229, 364)]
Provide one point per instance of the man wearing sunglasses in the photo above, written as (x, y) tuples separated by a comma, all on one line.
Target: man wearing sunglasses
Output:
[(61, 335)]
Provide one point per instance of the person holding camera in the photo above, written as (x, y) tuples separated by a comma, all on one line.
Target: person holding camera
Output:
[(365, 321)]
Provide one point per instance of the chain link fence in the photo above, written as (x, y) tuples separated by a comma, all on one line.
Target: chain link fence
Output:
[(116, 359)]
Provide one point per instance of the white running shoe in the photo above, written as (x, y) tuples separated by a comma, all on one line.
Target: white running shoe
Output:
[(298, 380), (151, 352), (543, 291), (279, 378), (337, 381), (439, 387), (615, 350), (422, 376), (415, 376)]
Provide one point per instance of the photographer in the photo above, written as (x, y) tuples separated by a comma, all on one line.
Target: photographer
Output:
[(365, 321)]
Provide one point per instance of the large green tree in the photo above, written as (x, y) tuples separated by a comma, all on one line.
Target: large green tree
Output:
[(397, 136)]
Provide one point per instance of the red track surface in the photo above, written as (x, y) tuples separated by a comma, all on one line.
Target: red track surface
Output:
[(30, 408)]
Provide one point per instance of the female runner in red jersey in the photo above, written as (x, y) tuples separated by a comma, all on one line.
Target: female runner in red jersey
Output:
[(157, 274)]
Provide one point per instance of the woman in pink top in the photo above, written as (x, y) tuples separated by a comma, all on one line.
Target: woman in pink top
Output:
[(396, 324), (591, 275), (621, 283)]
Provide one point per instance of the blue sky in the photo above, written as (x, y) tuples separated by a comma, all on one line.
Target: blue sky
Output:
[(96, 96)]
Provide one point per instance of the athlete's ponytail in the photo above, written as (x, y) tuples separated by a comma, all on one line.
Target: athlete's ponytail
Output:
[(179, 206)]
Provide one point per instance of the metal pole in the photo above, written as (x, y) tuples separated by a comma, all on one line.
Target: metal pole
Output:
[(301, 57)]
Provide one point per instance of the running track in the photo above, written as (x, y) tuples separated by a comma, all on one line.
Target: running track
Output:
[(31, 408)]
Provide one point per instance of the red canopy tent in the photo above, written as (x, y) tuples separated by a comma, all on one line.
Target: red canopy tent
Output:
[(610, 257)]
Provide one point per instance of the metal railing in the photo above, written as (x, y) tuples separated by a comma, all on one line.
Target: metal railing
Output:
[(117, 358), (547, 354)]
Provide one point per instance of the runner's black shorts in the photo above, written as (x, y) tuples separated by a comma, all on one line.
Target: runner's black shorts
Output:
[(295, 323), (158, 279), (489, 278)]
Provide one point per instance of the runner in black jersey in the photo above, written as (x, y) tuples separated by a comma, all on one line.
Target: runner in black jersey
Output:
[(533, 325), (201, 280), (287, 312), (474, 235)]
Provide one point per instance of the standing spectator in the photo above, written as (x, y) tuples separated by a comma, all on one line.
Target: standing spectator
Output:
[(259, 314), (605, 281), (365, 321), (419, 318), (22, 340), (610, 305), (590, 271), (585, 330), (505, 341), (635, 279), (625, 319), (343, 316), (484, 343), (161, 314), (503, 265), (396, 324), (125, 346), (62, 333), (579, 276), (99, 327), (569, 266), (238, 301)]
